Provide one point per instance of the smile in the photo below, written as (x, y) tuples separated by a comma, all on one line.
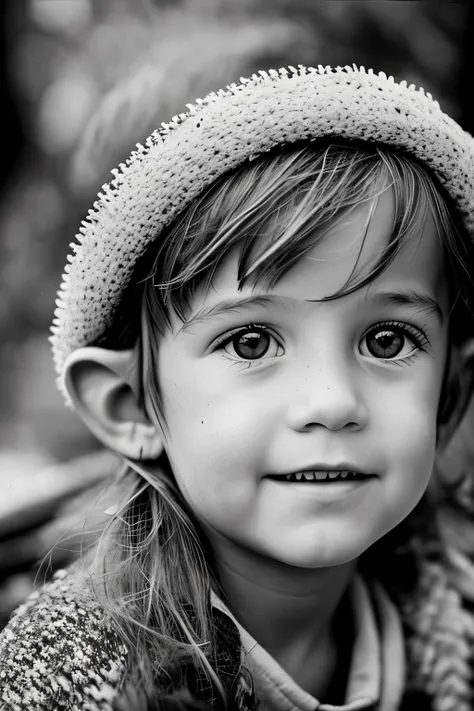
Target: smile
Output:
[(322, 476)]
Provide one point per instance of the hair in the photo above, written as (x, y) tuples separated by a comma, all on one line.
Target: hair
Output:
[(152, 566)]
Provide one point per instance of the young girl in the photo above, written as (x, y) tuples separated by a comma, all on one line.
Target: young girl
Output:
[(268, 316)]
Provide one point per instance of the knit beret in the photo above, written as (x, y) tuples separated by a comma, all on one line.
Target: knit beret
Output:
[(219, 133)]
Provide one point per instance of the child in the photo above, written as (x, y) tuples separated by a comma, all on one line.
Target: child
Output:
[(268, 317)]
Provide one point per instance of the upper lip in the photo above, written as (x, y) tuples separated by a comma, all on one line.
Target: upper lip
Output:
[(321, 467)]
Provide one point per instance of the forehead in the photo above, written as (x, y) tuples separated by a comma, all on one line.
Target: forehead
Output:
[(356, 242)]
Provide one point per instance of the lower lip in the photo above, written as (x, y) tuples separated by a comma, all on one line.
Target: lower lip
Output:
[(323, 490)]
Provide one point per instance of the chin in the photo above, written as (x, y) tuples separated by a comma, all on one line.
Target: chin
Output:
[(317, 557)]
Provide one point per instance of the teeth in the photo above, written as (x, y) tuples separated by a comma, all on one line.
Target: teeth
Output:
[(320, 475)]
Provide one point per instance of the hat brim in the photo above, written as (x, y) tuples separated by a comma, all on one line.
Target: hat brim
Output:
[(218, 134)]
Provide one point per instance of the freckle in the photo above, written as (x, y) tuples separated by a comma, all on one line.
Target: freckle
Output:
[(202, 422)]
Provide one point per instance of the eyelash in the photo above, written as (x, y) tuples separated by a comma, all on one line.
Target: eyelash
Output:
[(415, 334), (222, 341)]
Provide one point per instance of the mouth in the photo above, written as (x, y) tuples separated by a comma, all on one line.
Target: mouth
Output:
[(322, 476)]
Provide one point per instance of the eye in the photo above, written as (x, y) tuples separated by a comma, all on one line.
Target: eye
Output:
[(249, 343), (391, 341)]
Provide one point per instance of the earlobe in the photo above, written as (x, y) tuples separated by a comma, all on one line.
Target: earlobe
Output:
[(103, 387)]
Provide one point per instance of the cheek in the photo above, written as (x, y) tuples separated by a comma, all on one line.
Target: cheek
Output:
[(409, 436), (413, 412), (204, 408), (409, 407), (414, 446), (211, 438)]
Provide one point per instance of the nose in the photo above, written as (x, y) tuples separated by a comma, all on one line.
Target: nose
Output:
[(327, 395)]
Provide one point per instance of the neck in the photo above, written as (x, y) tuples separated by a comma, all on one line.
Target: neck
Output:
[(289, 611)]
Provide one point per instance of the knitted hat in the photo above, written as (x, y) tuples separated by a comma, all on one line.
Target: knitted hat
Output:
[(218, 134)]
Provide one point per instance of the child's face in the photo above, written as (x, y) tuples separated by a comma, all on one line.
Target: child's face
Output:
[(349, 384)]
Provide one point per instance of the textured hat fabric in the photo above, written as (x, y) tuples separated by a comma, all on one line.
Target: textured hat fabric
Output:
[(218, 134)]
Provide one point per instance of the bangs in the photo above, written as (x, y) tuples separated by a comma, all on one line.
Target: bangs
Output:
[(272, 211)]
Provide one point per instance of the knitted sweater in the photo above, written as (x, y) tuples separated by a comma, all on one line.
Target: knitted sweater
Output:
[(59, 652)]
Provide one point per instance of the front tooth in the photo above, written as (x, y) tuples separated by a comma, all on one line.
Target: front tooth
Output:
[(333, 475), (299, 476), (344, 474), (309, 476), (321, 475)]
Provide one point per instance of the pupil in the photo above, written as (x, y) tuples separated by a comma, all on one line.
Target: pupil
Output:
[(385, 344), (251, 345)]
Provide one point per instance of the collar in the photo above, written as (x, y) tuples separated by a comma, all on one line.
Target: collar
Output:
[(377, 669)]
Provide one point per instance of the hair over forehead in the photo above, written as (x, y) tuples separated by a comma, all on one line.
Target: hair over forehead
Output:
[(275, 209)]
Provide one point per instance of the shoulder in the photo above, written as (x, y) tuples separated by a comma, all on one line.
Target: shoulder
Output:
[(59, 652)]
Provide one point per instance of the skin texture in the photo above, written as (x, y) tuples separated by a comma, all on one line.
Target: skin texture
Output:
[(317, 396)]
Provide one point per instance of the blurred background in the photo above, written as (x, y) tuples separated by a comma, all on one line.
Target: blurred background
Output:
[(83, 81)]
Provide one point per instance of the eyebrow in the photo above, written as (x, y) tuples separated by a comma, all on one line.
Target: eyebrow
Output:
[(412, 299), (226, 306)]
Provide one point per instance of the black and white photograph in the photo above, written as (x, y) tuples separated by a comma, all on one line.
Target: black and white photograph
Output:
[(187, 525)]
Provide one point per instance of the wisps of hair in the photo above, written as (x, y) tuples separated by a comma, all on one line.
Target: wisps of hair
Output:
[(151, 576)]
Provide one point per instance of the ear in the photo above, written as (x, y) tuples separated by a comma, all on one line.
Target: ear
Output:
[(103, 386)]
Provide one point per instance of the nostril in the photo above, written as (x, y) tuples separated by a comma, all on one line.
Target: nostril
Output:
[(335, 403), (332, 420)]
